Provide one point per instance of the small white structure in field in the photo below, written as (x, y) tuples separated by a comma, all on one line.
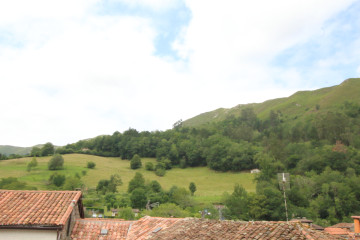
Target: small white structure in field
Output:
[(255, 170)]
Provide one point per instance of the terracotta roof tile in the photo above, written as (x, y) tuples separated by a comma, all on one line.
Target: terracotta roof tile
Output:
[(145, 227), (337, 231), (90, 229), (49, 208), (343, 225), (211, 229), (190, 228)]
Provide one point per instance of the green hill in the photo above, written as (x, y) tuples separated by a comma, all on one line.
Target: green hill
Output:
[(210, 184), (300, 105), (8, 150)]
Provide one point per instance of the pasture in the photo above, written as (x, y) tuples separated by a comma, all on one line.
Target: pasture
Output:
[(210, 184)]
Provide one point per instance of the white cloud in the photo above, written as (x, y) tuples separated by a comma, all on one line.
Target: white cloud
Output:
[(78, 75), (157, 5)]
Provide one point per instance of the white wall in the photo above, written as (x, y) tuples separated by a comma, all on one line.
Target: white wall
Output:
[(24, 234)]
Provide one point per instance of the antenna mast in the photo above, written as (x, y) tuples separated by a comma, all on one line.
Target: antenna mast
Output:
[(284, 184)]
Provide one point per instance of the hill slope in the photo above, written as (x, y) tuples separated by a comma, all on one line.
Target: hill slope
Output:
[(298, 105), (7, 150)]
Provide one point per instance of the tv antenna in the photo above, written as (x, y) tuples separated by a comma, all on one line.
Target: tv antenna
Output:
[(284, 184)]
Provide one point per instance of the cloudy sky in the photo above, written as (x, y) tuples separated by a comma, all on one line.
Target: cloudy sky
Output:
[(75, 69)]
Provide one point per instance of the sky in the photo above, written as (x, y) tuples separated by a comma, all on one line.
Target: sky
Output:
[(76, 69)]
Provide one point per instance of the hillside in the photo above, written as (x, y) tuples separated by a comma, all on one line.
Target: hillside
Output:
[(299, 105), (210, 184), (8, 150)]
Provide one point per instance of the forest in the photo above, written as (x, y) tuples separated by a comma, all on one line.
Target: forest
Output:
[(321, 154)]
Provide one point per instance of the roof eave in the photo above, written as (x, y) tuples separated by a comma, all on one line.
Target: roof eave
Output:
[(37, 227)]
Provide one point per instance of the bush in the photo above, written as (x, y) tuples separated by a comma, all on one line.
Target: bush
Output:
[(57, 179), (33, 163), (169, 210), (160, 172), (149, 166), (182, 163), (91, 165), (126, 213), (56, 162), (71, 183), (135, 162)]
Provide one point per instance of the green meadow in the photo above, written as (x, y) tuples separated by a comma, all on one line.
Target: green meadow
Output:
[(210, 184)]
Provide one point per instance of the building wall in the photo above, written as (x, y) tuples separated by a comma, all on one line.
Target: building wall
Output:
[(28, 234), (75, 214)]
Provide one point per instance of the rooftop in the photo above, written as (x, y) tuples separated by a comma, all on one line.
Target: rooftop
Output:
[(211, 229), (36, 208), (90, 228), (191, 228)]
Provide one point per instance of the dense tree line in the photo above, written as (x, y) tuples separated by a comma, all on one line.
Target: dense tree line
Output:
[(320, 151)]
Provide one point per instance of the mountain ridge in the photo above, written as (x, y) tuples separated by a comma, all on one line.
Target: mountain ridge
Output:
[(304, 101)]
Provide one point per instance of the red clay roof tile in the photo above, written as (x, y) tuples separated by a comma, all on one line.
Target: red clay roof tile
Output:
[(49, 208), (90, 229), (211, 229)]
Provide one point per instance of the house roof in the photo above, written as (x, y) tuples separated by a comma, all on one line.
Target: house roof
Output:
[(147, 227), (191, 228), (337, 231), (211, 229), (89, 228), (343, 225), (143, 228), (36, 208)]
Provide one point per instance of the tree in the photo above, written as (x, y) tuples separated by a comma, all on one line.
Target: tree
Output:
[(138, 198), (57, 179), (35, 152), (169, 210), (135, 162), (137, 182), (160, 172), (91, 165), (155, 186), (56, 162), (47, 149), (237, 203), (12, 183), (126, 213), (109, 185), (72, 183), (149, 166), (192, 188), (182, 197), (33, 163)]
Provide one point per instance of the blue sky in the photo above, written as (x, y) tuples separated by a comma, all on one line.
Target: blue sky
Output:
[(71, 70)]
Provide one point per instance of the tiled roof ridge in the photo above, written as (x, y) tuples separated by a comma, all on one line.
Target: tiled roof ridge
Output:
[(30, 207), (39, 191), (71, 206), (150, 217), (104, 220)]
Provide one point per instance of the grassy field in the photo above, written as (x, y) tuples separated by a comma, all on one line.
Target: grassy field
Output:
[(210, 184)]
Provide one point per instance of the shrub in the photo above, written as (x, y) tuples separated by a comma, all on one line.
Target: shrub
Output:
[(182, 163), (91, 165), (149, 166), (33, 163), (57, 179), (56, 162), (135, 162), (160, 172)]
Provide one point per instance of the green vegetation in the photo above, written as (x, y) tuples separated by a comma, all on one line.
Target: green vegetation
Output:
[(135, 162), (56, 162), (32, 164), (210, 184), (312, 135), (192, 188), (301, 105), (91, 165)]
